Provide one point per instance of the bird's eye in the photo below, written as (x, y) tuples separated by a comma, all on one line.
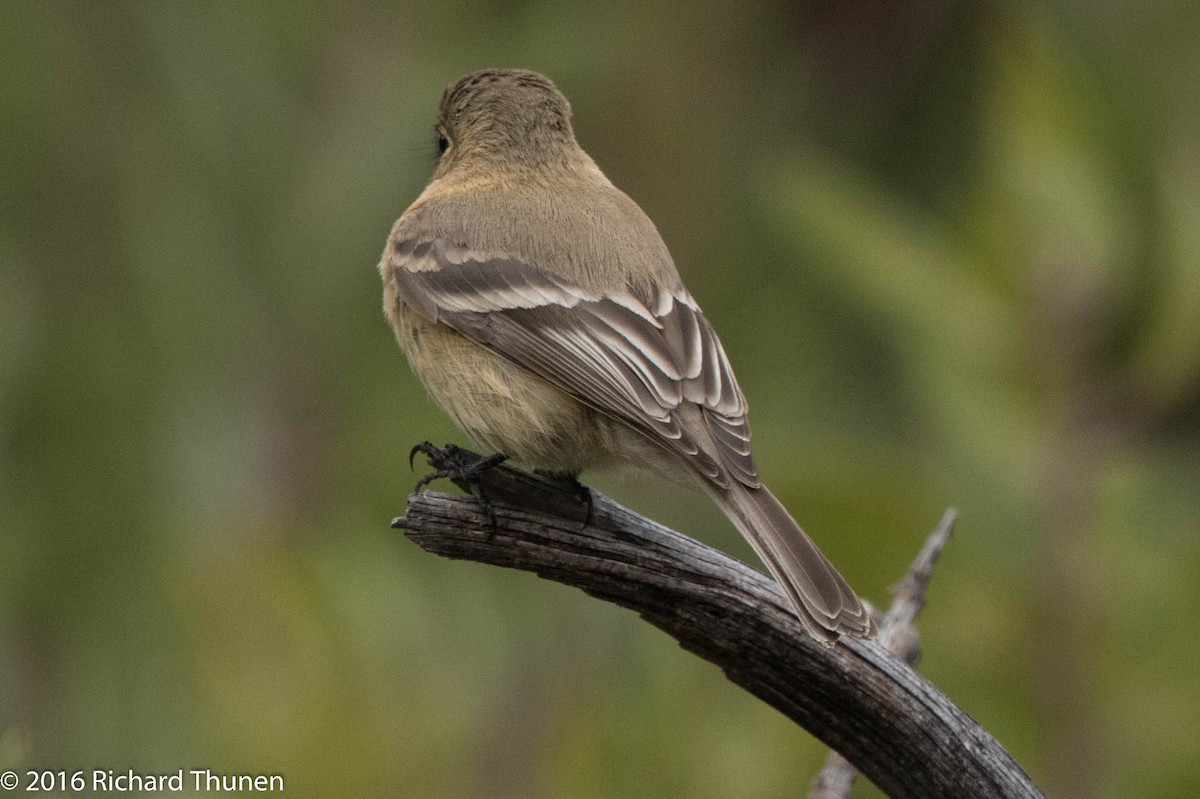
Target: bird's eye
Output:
[(443, 143)]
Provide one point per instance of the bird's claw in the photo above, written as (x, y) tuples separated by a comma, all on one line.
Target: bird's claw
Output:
[(583, 494), (462, 467), (425, 448)]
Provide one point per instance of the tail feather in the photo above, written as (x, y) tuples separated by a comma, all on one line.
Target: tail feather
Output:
[(826, 605)]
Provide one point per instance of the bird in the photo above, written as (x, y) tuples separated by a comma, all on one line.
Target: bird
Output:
[(542, 311)]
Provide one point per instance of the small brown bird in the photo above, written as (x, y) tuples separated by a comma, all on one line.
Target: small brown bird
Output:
[(540, 307)]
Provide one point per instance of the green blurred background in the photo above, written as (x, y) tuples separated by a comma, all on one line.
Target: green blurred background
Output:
[(953, 250)]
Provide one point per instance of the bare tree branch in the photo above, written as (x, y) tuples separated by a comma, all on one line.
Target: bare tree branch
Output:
[(858, 698), (898, 635)]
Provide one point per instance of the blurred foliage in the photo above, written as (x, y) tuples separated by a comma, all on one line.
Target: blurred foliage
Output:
[(953, 250)]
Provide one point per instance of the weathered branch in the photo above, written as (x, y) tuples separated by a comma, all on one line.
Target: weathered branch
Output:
[(898, 635), (862, 701)]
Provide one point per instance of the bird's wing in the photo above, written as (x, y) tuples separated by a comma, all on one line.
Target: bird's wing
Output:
[(634, 360)]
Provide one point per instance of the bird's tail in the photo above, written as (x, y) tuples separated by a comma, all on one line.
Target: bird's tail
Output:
[(824, 602)]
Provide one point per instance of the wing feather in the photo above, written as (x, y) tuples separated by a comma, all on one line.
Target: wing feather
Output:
[(634, 360)]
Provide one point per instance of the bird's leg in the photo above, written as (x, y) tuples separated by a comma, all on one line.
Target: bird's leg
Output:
[(571, 480), (462, 467)]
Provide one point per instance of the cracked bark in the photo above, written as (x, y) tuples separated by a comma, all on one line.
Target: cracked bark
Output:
[(857, 697)]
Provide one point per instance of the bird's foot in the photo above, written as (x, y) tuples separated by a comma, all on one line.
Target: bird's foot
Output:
[(582, 493), (460, 466)]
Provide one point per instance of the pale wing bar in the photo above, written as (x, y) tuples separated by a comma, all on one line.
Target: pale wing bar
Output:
[(626, 358)]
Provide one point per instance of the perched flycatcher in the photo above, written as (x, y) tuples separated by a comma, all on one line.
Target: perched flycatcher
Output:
[(542, 311)]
